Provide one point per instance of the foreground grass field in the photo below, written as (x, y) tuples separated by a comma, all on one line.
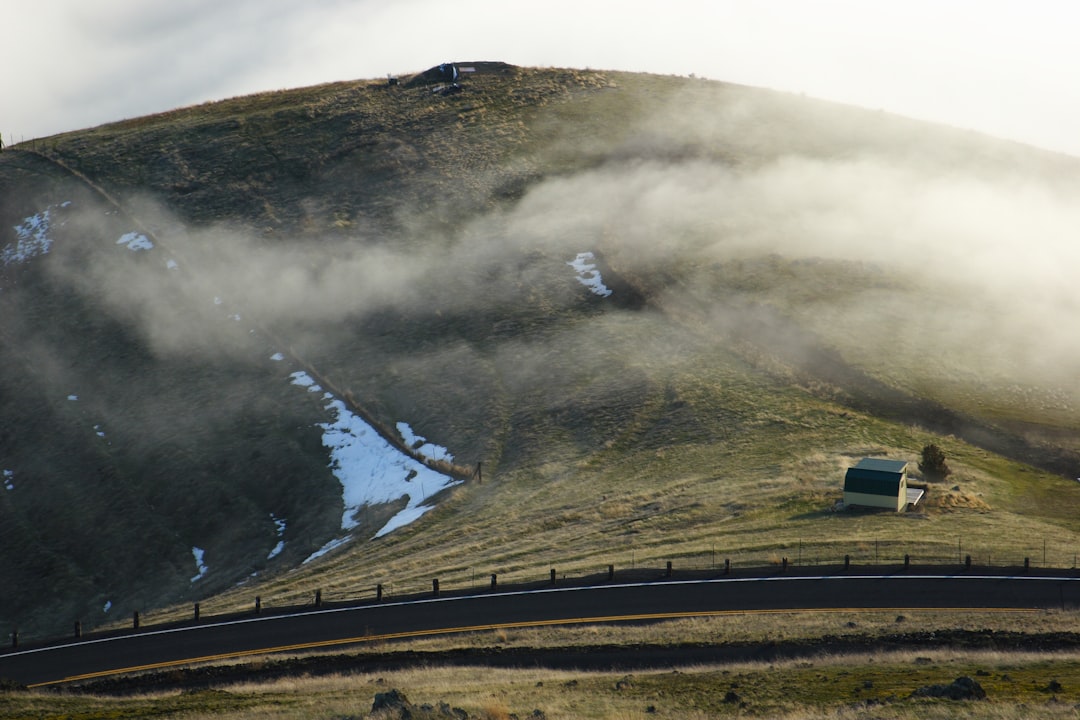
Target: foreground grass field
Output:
[(868, 686)]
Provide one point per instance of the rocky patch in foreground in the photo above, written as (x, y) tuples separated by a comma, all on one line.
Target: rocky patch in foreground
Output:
[(962, 688), (393, 705)]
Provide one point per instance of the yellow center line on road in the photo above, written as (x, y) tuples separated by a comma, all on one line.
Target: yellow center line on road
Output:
[(507, 626)]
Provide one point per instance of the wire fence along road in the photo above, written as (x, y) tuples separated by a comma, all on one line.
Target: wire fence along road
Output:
[(699, 568), (872, 557), (94, 657), (711, 566)]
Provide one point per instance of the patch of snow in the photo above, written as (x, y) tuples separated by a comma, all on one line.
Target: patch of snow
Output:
[(371, 470), (73, 397), (32, 239), (107, 607), (235, 317), (98, 431), (66, 203), (135, 241), (302, 379), (218, 300), (277, 550), (280, 523), (198, 553), (588, 275), (335, 543), (8, 475), (277, 357), (421, 446), (402, 519), (171, 264)]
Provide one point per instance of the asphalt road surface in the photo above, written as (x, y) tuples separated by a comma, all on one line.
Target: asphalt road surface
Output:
[(90, 657)]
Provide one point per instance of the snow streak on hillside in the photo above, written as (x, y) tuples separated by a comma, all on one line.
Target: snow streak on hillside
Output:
[(280, 525), (588, 275), (198, 553), (31, 237), (421, 446), (135, 241), (371, 470)]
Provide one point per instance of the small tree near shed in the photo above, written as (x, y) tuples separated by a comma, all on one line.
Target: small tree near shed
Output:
[(932, 465)]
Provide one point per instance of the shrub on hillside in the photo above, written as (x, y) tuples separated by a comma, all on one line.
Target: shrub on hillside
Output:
[(933, 465)]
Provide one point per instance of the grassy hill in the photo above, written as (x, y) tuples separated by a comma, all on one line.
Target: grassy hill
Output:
[(794, 285)]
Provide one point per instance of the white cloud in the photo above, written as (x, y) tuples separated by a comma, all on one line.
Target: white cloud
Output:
[(999, 66)]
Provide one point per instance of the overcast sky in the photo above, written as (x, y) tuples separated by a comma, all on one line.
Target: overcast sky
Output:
[(1005, 67)]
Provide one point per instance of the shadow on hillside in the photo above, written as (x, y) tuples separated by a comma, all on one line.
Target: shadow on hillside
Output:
[(814, 365)]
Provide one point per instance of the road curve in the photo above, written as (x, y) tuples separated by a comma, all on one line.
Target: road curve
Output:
[(88, 658)]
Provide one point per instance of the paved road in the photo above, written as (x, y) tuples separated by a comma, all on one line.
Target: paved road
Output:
[(90, 657)]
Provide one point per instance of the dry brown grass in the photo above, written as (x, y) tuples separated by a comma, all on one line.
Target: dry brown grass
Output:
[(878, 685), (580, 522)]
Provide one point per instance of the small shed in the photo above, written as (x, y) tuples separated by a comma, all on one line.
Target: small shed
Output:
[(875, 482), (452, 72)]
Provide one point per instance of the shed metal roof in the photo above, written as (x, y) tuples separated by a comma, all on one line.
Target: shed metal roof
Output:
[(881, 465), (875, 476)]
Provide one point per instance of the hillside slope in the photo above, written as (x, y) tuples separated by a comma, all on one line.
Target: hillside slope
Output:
[(662, 313)]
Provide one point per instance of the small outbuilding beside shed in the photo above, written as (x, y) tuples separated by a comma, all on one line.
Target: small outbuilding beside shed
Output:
[(879, 483)]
